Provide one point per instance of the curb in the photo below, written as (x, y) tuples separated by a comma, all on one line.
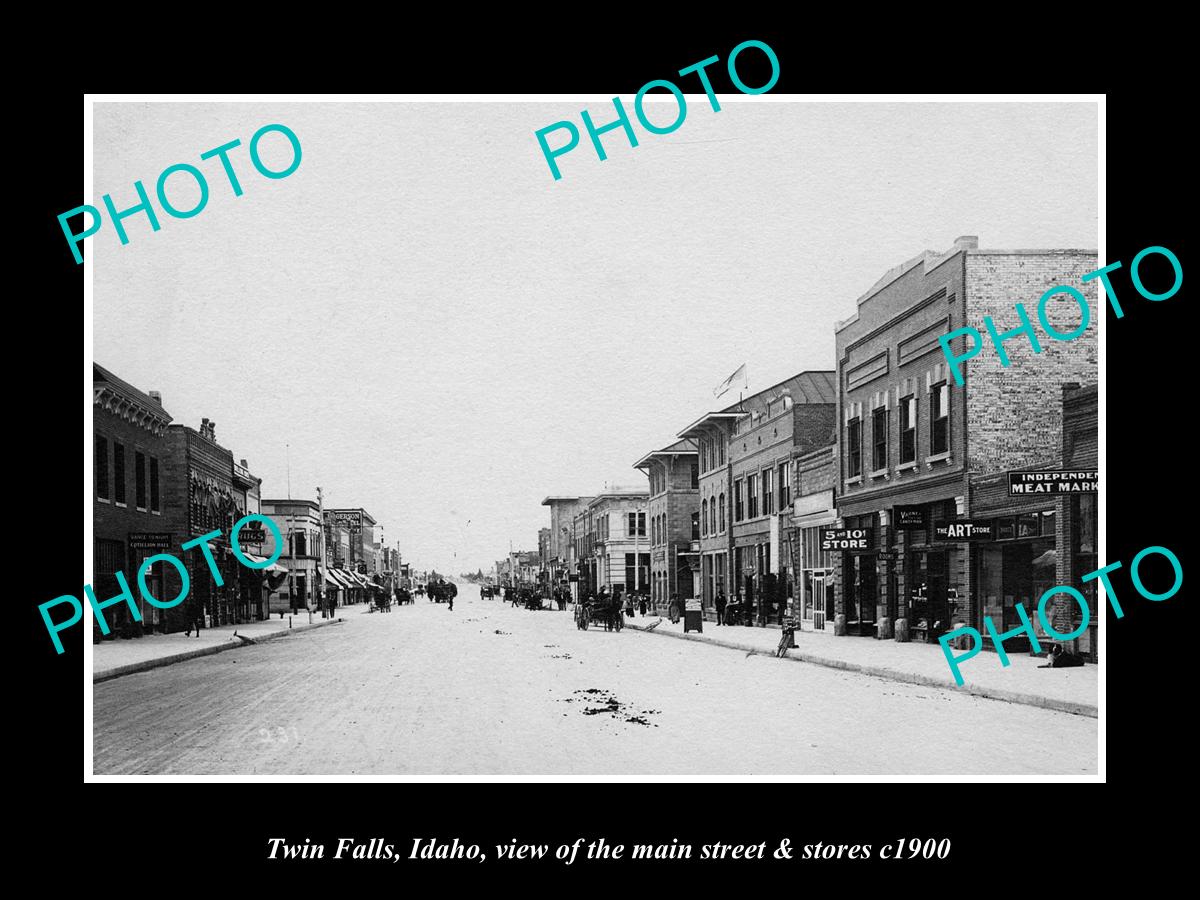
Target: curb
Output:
[(1066, 706), (147, 664)]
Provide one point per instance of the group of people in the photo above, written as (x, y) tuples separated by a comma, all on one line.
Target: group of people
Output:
[(739, 611)]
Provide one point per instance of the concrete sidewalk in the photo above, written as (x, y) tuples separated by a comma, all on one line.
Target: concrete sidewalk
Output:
[(1067, 690), (112, 659)]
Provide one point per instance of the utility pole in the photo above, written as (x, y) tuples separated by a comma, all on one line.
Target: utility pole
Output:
[(292, 568), (325, 611)]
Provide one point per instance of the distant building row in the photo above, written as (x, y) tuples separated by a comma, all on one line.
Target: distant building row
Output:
[(158, 484)]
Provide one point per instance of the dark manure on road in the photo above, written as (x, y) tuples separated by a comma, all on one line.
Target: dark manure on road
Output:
[(599, 702), (498, 631)]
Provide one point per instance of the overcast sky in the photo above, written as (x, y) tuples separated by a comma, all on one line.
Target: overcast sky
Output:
[(444, 334)]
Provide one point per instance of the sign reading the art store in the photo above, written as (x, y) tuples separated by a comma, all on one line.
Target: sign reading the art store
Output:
[(965, 530), (1053, 483), (847, 538)]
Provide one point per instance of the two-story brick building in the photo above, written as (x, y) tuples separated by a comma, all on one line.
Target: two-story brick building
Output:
[(201, 498), (130, 512), (916, 451), (674, 507)]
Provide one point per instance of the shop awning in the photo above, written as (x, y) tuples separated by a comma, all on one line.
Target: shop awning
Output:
[(329, 579), (349, 579)]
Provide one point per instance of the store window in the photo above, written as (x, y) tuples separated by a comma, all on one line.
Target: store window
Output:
[(908, 430), (879, 436), (854, 447), (1018, 567), (939, 419), (1083, 551)]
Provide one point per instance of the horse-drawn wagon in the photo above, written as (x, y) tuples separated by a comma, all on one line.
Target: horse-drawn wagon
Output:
[(603, 612)]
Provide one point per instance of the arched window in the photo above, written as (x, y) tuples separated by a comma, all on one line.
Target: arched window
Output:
[(722, 504), (704, 516), (712, 518)]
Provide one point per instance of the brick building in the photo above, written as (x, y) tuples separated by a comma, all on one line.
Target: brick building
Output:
[(129, 508), (252, 593), (200, 497), (674, 507), (1077, 519), (916, 451), (745, 455)]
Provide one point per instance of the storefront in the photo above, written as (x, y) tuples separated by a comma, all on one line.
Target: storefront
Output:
[(814, 591), (1019, 563), (1017, 567), (925, 599)]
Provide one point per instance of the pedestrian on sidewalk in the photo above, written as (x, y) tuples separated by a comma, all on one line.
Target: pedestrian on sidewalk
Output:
[(450, 601), (641, 604), (721, 607), (673, 609)]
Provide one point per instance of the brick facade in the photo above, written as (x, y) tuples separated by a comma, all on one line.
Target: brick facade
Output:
[(129, 434), (1014, 413), (890, 365)]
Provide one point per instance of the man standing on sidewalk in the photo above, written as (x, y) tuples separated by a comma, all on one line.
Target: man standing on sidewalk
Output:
[(720, 607)]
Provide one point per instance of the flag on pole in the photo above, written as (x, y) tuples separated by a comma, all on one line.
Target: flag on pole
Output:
[(725, 385)]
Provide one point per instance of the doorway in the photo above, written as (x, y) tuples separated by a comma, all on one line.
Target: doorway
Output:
[(928, 600)]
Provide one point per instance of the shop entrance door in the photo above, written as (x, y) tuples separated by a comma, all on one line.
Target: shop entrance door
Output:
[(822, 592), (861, 594), (929, 606)]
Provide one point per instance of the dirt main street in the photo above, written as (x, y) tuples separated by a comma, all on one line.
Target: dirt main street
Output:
[(489, 689)]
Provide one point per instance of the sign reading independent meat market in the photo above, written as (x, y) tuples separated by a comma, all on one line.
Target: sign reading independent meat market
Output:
[(1062, 482), (965, 530), (847, 538)]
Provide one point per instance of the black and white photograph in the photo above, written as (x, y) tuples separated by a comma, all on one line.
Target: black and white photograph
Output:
[(531, 437)]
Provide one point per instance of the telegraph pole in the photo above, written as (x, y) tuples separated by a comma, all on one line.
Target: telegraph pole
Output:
[(321, 554)]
